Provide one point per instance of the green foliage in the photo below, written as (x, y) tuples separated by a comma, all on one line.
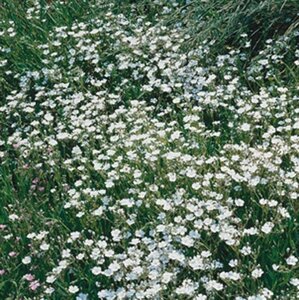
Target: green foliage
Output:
[(225, 20)]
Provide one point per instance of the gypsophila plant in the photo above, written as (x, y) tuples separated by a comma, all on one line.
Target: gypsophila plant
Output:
[(148, 153)]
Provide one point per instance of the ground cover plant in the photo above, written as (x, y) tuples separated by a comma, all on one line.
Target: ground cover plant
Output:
[(149, 149)]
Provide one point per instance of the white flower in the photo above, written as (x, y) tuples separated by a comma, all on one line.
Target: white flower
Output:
[(13, 217), (267, 227), (62, 136), (49, 290), (292, 260), (246, 250), (96, 270), (80, 256), (245, 127), (75, 235), (66, 253), (165, 88), (52, 142), (233, 263), (257, 273), (50, 279), (206, 254), (176, 256), (197, 263), (109, 183), (295, 282), (26, 260), (82, 296), (49, 117), (88, 242), (239, 202), (196, 186), (73, 289), (98, 212), (76, 151), (263, 62), (116, 235), (166, 277), (171, 177), (187, 241), (44, 246), (230, 275), (214, 285), (114, 267), (187, 288), (191, 173)]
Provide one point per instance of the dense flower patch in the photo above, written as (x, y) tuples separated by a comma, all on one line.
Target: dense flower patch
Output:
[(136, 167)]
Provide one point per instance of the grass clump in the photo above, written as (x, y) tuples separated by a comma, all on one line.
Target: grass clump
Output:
[(225, 21)]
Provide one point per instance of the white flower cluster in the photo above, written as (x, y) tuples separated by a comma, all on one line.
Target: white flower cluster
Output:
[(154, 172)]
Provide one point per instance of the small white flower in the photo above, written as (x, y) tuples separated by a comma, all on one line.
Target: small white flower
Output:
[(26, 260), (49, 117), (292, 260), (246, 250), (13, 217), (191, 173), (267, 227), (75, 235), (165, 88), (50, 279), (44, 246), (239, 202), (66, 253), (257, 273), (49, 290), (52, 142), (295, 282), (233, 263), (213, 285), (96, 270), (62, 135), (245, 127), (166, 277), (230, 276), (263, 62), (187, 241), (80, 256), (73, 289), (114, 267), (76, 151), (196, 186), (82, 296), (171, 177), (98, 212)]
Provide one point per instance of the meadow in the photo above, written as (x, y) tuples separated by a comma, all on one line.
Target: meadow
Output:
[(149, 149)]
